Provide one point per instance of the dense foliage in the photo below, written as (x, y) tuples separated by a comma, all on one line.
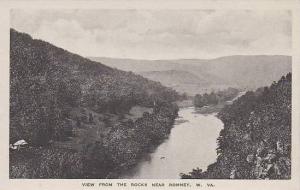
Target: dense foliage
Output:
[(46, 162), (256, 140), (46, 82), (129, 141), (215, 97), (47, 86)]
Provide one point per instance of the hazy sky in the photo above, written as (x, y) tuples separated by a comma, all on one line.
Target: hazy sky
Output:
[(159, 34)]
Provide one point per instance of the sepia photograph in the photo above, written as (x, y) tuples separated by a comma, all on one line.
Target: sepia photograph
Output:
[(150, 94)]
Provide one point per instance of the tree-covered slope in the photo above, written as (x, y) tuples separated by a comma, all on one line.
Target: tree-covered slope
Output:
[(47, 82), (73, 113), (256, 140)]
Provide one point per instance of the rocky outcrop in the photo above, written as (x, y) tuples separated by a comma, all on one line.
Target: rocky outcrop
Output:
[(271, 163)]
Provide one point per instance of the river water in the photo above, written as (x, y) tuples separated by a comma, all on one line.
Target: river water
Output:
[(192, 143)]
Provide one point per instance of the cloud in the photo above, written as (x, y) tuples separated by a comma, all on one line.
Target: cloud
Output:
[(160, 34)]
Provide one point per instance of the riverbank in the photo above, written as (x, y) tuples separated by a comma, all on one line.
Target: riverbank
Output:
[(118, 149), (185, 103), (128, 142), (202, 110), (169, 159), (210, 109), (60, 99), (256, 140)]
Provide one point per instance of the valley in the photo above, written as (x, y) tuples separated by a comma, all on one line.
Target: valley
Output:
[(207, 75), (85, 118)]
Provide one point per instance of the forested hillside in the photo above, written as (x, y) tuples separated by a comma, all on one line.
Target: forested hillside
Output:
[(215, 97), (54, 92), (256, 140)]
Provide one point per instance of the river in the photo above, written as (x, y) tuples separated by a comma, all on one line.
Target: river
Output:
[(192, 143)]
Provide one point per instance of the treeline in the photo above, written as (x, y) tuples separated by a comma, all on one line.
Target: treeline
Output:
[(215, 97), (118, 151), (48, 83), (256, 140)]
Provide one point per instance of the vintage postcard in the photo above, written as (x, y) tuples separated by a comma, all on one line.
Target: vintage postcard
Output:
[(150, 95)]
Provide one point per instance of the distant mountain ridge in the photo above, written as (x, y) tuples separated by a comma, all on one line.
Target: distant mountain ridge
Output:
[(172, 76), (181, 81), (250, 71)]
